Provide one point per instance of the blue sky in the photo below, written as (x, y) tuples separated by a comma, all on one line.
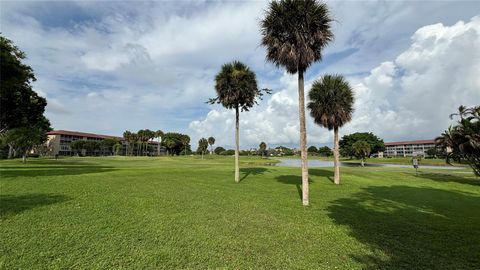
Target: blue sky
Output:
[(109, 66)]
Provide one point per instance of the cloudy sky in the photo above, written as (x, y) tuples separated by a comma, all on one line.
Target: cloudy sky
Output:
[(106, 67)]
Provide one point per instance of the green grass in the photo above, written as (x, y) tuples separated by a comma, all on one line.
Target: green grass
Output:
[(184, 212)]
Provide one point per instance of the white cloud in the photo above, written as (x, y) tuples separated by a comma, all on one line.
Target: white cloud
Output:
[(409, 97)]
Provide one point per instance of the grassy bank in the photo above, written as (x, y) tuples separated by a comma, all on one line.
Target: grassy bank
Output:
[(184, 212)]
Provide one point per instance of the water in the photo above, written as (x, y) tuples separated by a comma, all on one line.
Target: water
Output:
[(295, 162)]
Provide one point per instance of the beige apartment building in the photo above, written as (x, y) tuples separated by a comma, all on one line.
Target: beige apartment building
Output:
[(59, 141), (408, 148)]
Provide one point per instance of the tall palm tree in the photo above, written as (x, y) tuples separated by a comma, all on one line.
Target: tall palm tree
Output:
[(236, 87), (159, 135), (127, 136), (185, 139), (294, 34), (202, 146), (211, 142), (331, 106)]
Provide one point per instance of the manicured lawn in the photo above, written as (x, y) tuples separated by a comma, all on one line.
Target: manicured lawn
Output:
[(184, 212)]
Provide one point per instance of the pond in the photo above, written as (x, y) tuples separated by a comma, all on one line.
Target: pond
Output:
[(295, 162)]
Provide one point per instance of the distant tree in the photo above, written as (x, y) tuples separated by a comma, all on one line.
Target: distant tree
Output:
[(347, 142), (77, 146), (229, 152), (462, 141), (325, 151), (361, 150), (432, 152), (294, 34), (211, 141), (173, 142), (312, 149), (262, 148), (331, 106), (170, 144), (219, 150), (130, 139), (185, 139), (158, 136), (283, 151), (236, 87), (23, 139), (202, 146), (106, 146), (117, 149)]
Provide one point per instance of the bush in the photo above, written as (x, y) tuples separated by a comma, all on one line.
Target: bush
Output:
[(228, 152)]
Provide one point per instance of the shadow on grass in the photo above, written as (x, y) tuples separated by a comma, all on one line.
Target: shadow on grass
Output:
[(412, 227), (322, 173), (14, 204), (293, 180), (447, 177), (12, 172), (252, 171)]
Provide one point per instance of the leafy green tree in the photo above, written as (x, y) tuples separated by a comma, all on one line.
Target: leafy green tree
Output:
[(219, 150), (106, 146), (462, 141), (347, 142), (77, 146), (325, 151), (173, 142), (361, 150), (211, 142), (331, 106), (21, 107), (202, 146), (283, 151), (228, 152), (262, 148), (23, 139), (170, 145), (312, 149), (294, 33), (236, 87), (92, 147), (117, 149)]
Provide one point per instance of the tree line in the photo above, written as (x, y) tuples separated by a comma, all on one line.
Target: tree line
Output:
[(23, 124)]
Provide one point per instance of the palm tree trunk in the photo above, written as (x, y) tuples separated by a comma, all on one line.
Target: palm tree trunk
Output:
[(336, 155), (303, 137), (10, 151), (237, 147)]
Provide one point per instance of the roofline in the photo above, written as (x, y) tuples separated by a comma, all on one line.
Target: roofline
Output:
[(82, 134), (410, 142)]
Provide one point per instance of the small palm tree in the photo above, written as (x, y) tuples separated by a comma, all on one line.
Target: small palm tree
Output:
[(159, 135), (331, 106), (295, 32), (211, 142), (362, 150), (202, 146), (262, 146), (185, 140), (236, 87)]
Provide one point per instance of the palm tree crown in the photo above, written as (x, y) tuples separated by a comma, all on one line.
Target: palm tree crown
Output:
[(236, 86), (295, 32), (331, 101)]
